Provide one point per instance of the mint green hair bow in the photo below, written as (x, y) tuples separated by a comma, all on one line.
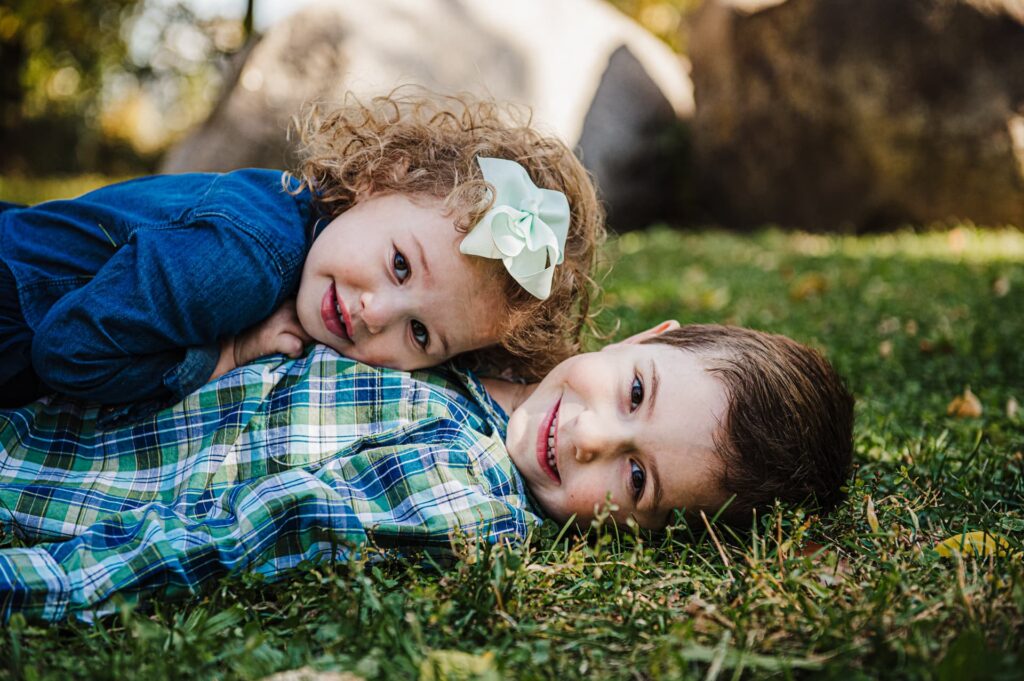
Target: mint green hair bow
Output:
[(526, 228)]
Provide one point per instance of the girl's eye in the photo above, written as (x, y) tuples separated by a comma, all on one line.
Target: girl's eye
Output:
[(637, 478), (636, 393), (400, 265), (419, 334)]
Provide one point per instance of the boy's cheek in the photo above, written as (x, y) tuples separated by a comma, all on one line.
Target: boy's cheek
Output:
[(555, 507), (584, 504)]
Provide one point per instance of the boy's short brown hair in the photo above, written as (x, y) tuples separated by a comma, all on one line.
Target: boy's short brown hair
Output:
[(788, 430), (415, 142)]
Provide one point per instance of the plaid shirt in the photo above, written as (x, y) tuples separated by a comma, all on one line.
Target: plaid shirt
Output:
[(275, 463)]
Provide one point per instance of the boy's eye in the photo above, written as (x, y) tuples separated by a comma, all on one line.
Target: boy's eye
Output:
[(419, 334), (637, 478), (636, 393), (400, 265)]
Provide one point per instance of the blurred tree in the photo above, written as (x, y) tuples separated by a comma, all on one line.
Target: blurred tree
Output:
[(103, 86), (52, 56), (664, 18)]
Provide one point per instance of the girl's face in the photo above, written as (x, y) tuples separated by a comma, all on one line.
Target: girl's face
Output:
[(385, 284), (632, 421)]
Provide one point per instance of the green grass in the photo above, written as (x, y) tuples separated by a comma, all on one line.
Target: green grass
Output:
[(910, 319)]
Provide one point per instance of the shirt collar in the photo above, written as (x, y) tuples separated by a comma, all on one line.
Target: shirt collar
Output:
[(495, 415)]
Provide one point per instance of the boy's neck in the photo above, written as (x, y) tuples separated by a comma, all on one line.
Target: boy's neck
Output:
[(507, 394)]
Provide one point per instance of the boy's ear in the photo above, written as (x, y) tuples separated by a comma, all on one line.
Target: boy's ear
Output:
[(667, 325)]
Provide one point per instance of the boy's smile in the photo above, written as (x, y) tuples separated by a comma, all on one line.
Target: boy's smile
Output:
[(633, 422), (547, 444), (385, 284)]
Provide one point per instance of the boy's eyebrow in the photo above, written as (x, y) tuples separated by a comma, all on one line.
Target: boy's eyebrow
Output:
[(656, 479), (655, 382)]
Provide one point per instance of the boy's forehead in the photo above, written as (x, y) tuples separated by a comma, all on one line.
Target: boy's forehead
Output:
[(689, 413)]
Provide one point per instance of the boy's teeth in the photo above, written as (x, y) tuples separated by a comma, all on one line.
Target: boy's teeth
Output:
[(551, 444)]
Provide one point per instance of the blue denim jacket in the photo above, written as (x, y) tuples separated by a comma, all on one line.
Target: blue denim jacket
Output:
[(128, 289)]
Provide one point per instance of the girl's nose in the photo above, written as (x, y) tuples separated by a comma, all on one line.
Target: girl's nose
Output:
[(377, 311)]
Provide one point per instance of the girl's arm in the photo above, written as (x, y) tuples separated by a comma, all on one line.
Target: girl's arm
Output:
[(149, 324), (281, 333)]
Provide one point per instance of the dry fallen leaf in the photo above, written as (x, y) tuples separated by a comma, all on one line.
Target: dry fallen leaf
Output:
[(966, 406), (455, 664), (827, 574), (978, 543), (957, 239), (1001, 286), (885, 349), (1012, 408), (889, 325), (311, 674), (809, 285), (832, 576), (869, 512), (910, 327)]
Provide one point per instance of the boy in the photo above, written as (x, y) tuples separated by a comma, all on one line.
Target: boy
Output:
[(287, 460)]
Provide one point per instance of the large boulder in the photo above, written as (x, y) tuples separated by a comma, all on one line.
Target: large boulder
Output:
[(592, 76), (835, 114)]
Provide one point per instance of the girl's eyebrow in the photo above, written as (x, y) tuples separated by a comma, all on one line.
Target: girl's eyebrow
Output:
[(421, 260), (420, 257), (444, 344)]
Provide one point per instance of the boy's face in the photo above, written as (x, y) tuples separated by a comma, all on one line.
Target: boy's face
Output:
[(385, 284), (633, 421)]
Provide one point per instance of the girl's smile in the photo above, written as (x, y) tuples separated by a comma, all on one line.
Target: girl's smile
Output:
[(335, 314)]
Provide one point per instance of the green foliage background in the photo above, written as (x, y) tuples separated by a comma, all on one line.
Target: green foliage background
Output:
[(104, 86), (910, 318)]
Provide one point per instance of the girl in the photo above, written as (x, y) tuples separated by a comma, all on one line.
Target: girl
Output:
[(417, 229)]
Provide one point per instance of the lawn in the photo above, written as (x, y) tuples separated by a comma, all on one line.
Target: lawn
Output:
[(911, 319)]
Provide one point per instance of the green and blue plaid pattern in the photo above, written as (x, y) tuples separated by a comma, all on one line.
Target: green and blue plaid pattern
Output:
[(277, 462)]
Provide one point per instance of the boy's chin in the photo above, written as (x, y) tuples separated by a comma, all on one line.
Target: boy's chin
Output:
[(554, 512)]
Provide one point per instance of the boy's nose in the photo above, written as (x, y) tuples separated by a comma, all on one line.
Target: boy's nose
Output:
[(595, 437)]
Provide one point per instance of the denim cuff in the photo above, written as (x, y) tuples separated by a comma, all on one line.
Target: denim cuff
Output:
[(34, 584), (194, 371)]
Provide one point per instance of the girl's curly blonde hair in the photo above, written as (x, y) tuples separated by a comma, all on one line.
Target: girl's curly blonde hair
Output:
[(415, 142)]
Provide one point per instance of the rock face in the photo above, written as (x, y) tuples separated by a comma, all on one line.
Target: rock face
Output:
[(835, 114), (591, 75)]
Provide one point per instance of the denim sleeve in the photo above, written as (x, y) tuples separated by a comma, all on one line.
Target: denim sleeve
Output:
[(148, 325)]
